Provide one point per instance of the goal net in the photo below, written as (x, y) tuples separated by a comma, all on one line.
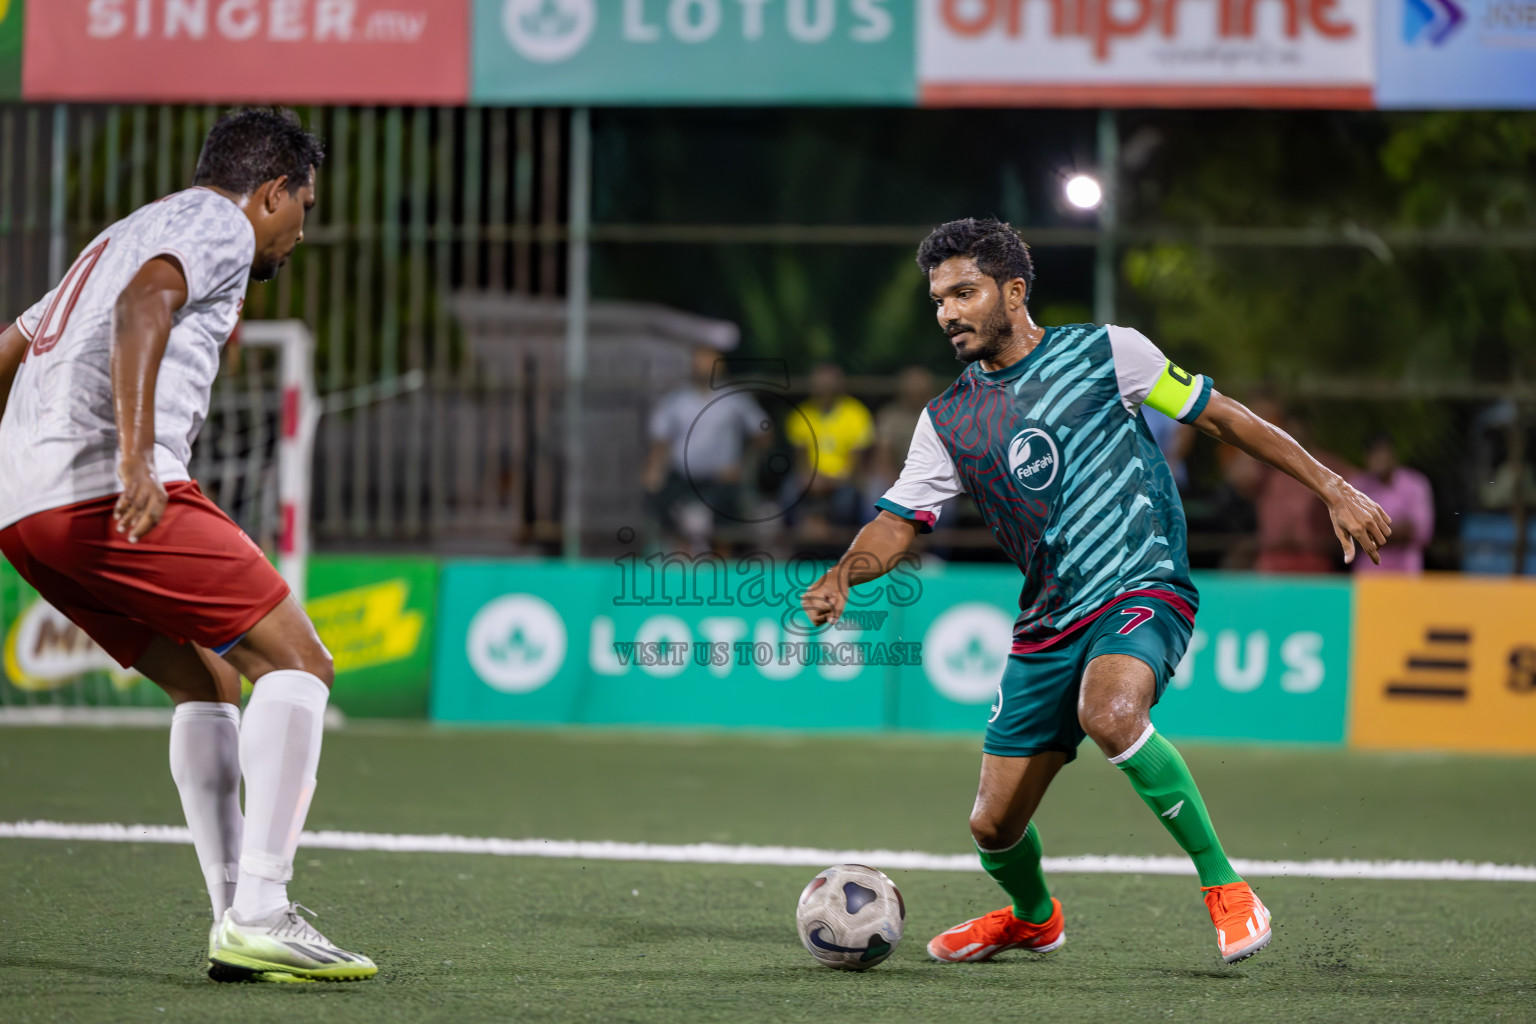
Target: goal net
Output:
[(253, 459)]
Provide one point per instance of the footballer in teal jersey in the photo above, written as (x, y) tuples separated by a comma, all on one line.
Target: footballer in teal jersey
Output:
[(1043, 429)]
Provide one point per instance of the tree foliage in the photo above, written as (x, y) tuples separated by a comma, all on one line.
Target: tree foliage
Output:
[(1436, 286)]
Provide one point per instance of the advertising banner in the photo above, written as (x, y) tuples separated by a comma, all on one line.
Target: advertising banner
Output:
[(1444, 664), (964, 620), (1268, 660), (374, 615), (1147, 53), (12, 13), (275, 51), (922, 649), (645, 644), (1457, 53), (631, 52), (48, 660)]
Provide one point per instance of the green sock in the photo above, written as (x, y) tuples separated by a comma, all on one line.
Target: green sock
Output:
[(1017, 870), (1162, 780)]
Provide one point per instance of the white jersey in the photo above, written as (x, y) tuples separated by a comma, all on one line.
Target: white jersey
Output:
[(58, 441)]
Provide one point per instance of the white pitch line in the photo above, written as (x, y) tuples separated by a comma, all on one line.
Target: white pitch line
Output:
[(787, 856)]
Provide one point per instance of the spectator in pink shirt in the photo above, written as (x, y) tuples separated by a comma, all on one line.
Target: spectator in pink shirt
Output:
[(1406, 495), (1294, 534)]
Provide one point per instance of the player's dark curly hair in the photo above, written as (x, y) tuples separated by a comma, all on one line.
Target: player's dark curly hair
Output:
[(248, 148), (996, 247)]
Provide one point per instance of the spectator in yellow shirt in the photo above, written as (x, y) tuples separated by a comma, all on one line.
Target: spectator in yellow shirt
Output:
[(832, 433)]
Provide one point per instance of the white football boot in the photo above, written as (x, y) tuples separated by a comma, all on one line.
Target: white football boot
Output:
[(284, 947)]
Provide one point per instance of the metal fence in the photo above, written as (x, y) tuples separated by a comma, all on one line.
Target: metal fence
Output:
[(415, 205), (431, 441)]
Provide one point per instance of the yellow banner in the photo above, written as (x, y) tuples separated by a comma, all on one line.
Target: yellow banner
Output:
[(367, 626), (1444, 664)]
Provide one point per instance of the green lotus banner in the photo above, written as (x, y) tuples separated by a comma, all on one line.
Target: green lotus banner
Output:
[(1269, 658), (629, 52), (701, 643), (685, 644)]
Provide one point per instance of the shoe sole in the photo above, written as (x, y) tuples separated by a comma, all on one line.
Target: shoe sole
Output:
[(1249, 950), (1040, 951), (233, 968), (227, 975)]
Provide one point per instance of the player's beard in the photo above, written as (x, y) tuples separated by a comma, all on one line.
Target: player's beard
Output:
[(992, 336), (266, 269)]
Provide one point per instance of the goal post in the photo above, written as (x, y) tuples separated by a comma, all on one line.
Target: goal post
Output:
[(298, 421)]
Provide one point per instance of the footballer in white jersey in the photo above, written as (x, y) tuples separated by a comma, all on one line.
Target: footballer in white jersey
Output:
[(104, 384), (58, 443)]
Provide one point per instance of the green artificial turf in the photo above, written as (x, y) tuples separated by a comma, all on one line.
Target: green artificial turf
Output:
[(115, 932)]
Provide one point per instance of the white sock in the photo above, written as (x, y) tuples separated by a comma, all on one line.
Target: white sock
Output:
[(205, 762), (279, 752)]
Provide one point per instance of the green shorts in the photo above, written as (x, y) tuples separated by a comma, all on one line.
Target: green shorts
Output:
[(1036, 707)]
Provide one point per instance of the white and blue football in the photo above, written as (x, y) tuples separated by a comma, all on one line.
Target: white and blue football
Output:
[(850, 917)]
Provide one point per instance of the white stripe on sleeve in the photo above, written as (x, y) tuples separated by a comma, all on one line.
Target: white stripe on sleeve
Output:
[(929, 478), (1138, 364)]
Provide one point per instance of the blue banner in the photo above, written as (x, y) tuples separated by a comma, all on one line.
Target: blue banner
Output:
[(1456, 54)]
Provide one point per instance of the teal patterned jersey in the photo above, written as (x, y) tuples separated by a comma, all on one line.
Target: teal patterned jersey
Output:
[(1056, 455)]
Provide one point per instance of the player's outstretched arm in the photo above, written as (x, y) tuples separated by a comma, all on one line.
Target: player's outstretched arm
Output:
[(1356, 518), (141, 328), (873, 553), (13, 348)]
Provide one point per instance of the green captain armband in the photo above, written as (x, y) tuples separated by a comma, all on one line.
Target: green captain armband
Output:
[(1179, 395)]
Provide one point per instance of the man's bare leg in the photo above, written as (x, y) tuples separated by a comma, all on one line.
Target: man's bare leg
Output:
[(1009, 846), (1114, 708), (1007, 797)]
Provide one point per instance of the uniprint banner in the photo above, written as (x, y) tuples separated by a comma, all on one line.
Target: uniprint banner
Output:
[(12, 14), (1457, 53), (1444, 663), (1053, 53), (277, 51), (632, 52)]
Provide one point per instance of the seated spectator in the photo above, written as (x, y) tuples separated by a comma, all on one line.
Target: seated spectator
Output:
[(832, 433), (1406, 496), (694, 471)]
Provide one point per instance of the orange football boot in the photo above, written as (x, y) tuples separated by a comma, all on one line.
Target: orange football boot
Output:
[(1242, 922), (985, 937)]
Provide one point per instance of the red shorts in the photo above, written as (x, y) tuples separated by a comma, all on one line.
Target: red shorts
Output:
[(196, 577)]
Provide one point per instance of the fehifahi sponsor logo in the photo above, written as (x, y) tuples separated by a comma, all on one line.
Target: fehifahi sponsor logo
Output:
[(1033, 459)]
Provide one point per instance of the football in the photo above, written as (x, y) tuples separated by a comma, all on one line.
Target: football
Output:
[(850, 917)]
